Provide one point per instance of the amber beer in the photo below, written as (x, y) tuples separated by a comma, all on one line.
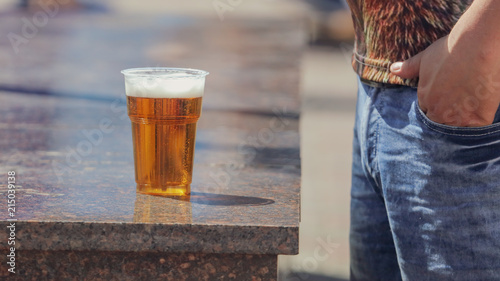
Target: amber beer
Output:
[(164, 113)]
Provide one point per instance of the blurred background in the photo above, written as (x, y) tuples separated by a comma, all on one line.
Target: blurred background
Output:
[(328, 93)]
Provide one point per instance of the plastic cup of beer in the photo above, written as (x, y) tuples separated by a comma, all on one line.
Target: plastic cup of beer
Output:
[(164, 105)]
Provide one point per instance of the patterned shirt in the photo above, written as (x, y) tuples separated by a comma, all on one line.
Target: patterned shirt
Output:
[(395, 30)]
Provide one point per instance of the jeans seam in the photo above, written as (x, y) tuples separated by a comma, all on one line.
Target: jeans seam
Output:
[(376, 167), (376, 158), (461, 135)]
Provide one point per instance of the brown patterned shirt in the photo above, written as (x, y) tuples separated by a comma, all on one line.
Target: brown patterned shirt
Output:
[(395, 30)]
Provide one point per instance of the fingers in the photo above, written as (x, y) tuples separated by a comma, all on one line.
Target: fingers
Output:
[(409, 68)]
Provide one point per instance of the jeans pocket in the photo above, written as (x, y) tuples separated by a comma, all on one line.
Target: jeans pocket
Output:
[(455, 130)]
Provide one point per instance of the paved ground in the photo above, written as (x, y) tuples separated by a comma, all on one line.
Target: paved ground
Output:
[(328, 95)]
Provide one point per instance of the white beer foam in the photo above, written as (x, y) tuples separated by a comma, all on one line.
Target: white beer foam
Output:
[(157, 87)]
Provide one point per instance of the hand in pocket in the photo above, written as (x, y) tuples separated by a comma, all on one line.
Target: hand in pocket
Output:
[(458, 84)]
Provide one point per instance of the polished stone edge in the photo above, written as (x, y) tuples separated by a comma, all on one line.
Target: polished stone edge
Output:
[(86, 265), (133, 237)]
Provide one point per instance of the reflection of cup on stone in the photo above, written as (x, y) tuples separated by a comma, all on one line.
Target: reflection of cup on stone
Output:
[(157, 209), (164, 105)]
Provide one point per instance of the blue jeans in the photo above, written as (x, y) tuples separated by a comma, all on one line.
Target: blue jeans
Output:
[(425, 198)]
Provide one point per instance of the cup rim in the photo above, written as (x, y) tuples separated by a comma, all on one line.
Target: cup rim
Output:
[(162, 71)]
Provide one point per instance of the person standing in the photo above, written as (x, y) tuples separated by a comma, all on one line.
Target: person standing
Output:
[(425, 195)]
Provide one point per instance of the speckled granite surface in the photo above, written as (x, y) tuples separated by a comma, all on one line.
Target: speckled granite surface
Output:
[(251, 198), (74, 265), (153, 237), (65, 132)]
